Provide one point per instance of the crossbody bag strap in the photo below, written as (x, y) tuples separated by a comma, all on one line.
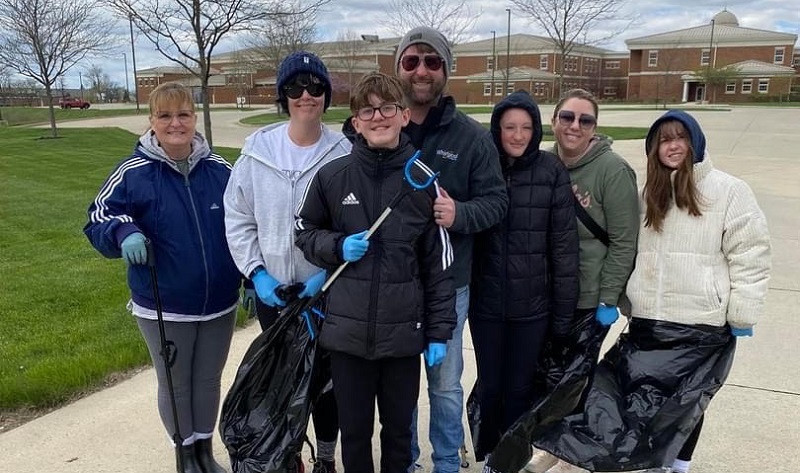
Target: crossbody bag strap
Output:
[(590, 224)]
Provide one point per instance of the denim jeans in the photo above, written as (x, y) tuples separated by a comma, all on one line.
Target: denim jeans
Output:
[(446, 395)]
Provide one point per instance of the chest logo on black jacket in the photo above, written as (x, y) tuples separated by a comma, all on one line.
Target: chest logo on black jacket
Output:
[(447, 154), (350, 200)]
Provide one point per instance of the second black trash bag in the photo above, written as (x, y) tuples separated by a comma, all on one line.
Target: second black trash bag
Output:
[(648, 394), (266, 412)]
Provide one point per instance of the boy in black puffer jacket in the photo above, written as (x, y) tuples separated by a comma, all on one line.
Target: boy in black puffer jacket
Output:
[(525, 270), (395, 299)]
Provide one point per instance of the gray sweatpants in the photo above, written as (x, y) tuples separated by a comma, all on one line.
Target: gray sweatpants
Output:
[(202, 349)]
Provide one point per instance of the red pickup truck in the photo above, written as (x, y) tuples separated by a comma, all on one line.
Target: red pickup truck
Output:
[(73, 102)]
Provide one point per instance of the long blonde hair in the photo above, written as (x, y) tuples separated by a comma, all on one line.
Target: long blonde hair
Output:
[(659, 188)]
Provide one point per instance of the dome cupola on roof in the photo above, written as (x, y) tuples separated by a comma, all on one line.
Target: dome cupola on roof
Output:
[(725, 18)]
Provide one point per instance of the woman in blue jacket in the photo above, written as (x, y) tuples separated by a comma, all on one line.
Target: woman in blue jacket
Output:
[(170, 192)]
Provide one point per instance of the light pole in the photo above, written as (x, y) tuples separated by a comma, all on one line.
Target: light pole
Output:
[(494, 61), (125, 58), (708, 66), (80, 79), (133, 59), (508, 50)]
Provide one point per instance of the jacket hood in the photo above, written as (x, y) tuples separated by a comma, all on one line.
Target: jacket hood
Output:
[(696, 136), (149, 146), (524, 101)]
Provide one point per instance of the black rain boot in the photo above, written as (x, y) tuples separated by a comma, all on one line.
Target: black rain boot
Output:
[(186, 454), (205, 457)]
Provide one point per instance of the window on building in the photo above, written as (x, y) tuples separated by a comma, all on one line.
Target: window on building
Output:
[(490, 63), (487, 90), (747, 86), (796, 60), (612, 64), (779, 52), (652, 59), (705, 57), (763, 86), (498, 89), (539, 88), (730, 87), (454, 65), (609, 91), (543, 62), (510, 89)]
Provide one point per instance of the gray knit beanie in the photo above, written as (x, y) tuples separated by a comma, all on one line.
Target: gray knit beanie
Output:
[(431, 37)]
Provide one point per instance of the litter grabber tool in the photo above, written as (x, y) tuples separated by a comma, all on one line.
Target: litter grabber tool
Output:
[(168, 351)]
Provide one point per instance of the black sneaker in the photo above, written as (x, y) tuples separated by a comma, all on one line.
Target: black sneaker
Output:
[(296, 466), (324, 466)]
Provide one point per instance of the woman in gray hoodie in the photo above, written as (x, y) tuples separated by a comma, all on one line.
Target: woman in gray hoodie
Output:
[(267, 182)]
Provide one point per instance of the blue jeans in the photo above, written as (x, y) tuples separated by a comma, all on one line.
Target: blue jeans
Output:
[(446, 395)]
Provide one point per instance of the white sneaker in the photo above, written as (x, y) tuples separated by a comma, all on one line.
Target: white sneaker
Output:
[(564, 467), (540, 462)]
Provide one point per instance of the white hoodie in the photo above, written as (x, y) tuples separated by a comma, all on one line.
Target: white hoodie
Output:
[(260, 203)]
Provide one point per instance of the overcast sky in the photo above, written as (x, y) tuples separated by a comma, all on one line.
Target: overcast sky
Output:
[(368, 16)]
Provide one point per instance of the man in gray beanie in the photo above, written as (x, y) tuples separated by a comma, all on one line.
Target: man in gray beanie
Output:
[(472, 199)]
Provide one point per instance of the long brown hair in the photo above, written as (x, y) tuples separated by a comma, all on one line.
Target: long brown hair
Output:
[(660, 188)]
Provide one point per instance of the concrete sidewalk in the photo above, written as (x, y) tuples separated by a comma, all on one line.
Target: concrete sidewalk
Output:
[(751, 427)]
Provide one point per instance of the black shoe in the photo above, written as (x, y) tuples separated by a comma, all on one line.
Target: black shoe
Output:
[(296, 466), (205, 457), (324, 466), (186, 457)]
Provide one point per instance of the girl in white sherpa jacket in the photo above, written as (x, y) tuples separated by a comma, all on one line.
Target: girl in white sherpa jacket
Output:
[(704, 249)]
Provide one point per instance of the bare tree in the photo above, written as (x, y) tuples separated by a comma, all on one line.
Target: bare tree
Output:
[(571, 22), (453, 18), (349, 51), (100, 83), (293, 28), (43, 39), (186, 32)]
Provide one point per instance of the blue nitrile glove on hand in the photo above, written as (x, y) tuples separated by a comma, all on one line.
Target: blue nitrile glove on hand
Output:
[(314, 284), (606, 315), (265, 288), (355, 247), (435, 353), (742, 332), (133, 249)]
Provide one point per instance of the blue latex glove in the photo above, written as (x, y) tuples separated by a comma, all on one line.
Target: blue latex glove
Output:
[(133, 249), (742, 332), (265, 288), (435, 353), (314, 284), (606, 315), (355, 247)]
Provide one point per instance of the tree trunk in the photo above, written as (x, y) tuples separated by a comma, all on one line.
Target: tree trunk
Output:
[(49, 93), (206, 109)]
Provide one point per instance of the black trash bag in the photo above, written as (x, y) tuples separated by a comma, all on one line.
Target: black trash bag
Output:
[(562, 375), (648, 394), (265, 414)]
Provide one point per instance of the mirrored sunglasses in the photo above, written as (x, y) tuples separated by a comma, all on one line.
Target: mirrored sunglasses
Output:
[(567, 118), (410, 62)]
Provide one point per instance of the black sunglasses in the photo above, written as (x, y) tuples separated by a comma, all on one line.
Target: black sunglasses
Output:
[(295, 90), (432, 62), (567, 118)]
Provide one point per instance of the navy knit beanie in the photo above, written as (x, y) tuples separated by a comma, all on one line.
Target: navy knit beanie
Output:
[(298, 63)]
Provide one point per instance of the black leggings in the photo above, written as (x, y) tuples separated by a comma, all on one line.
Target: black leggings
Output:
[(691, 442), (325, 415)]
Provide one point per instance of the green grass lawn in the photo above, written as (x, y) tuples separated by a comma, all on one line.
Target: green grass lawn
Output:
[(15, 116), (63, 323)]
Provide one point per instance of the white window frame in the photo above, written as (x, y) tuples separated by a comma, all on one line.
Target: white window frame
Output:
[(652, 58), (730, 87), (779, 56), (454, 65), (609, 91), (490, 63), (612, 64), (487, 89), (498, 89), (705, 57), (510, 89), (747, 86), (544, 62), (763, 86)]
